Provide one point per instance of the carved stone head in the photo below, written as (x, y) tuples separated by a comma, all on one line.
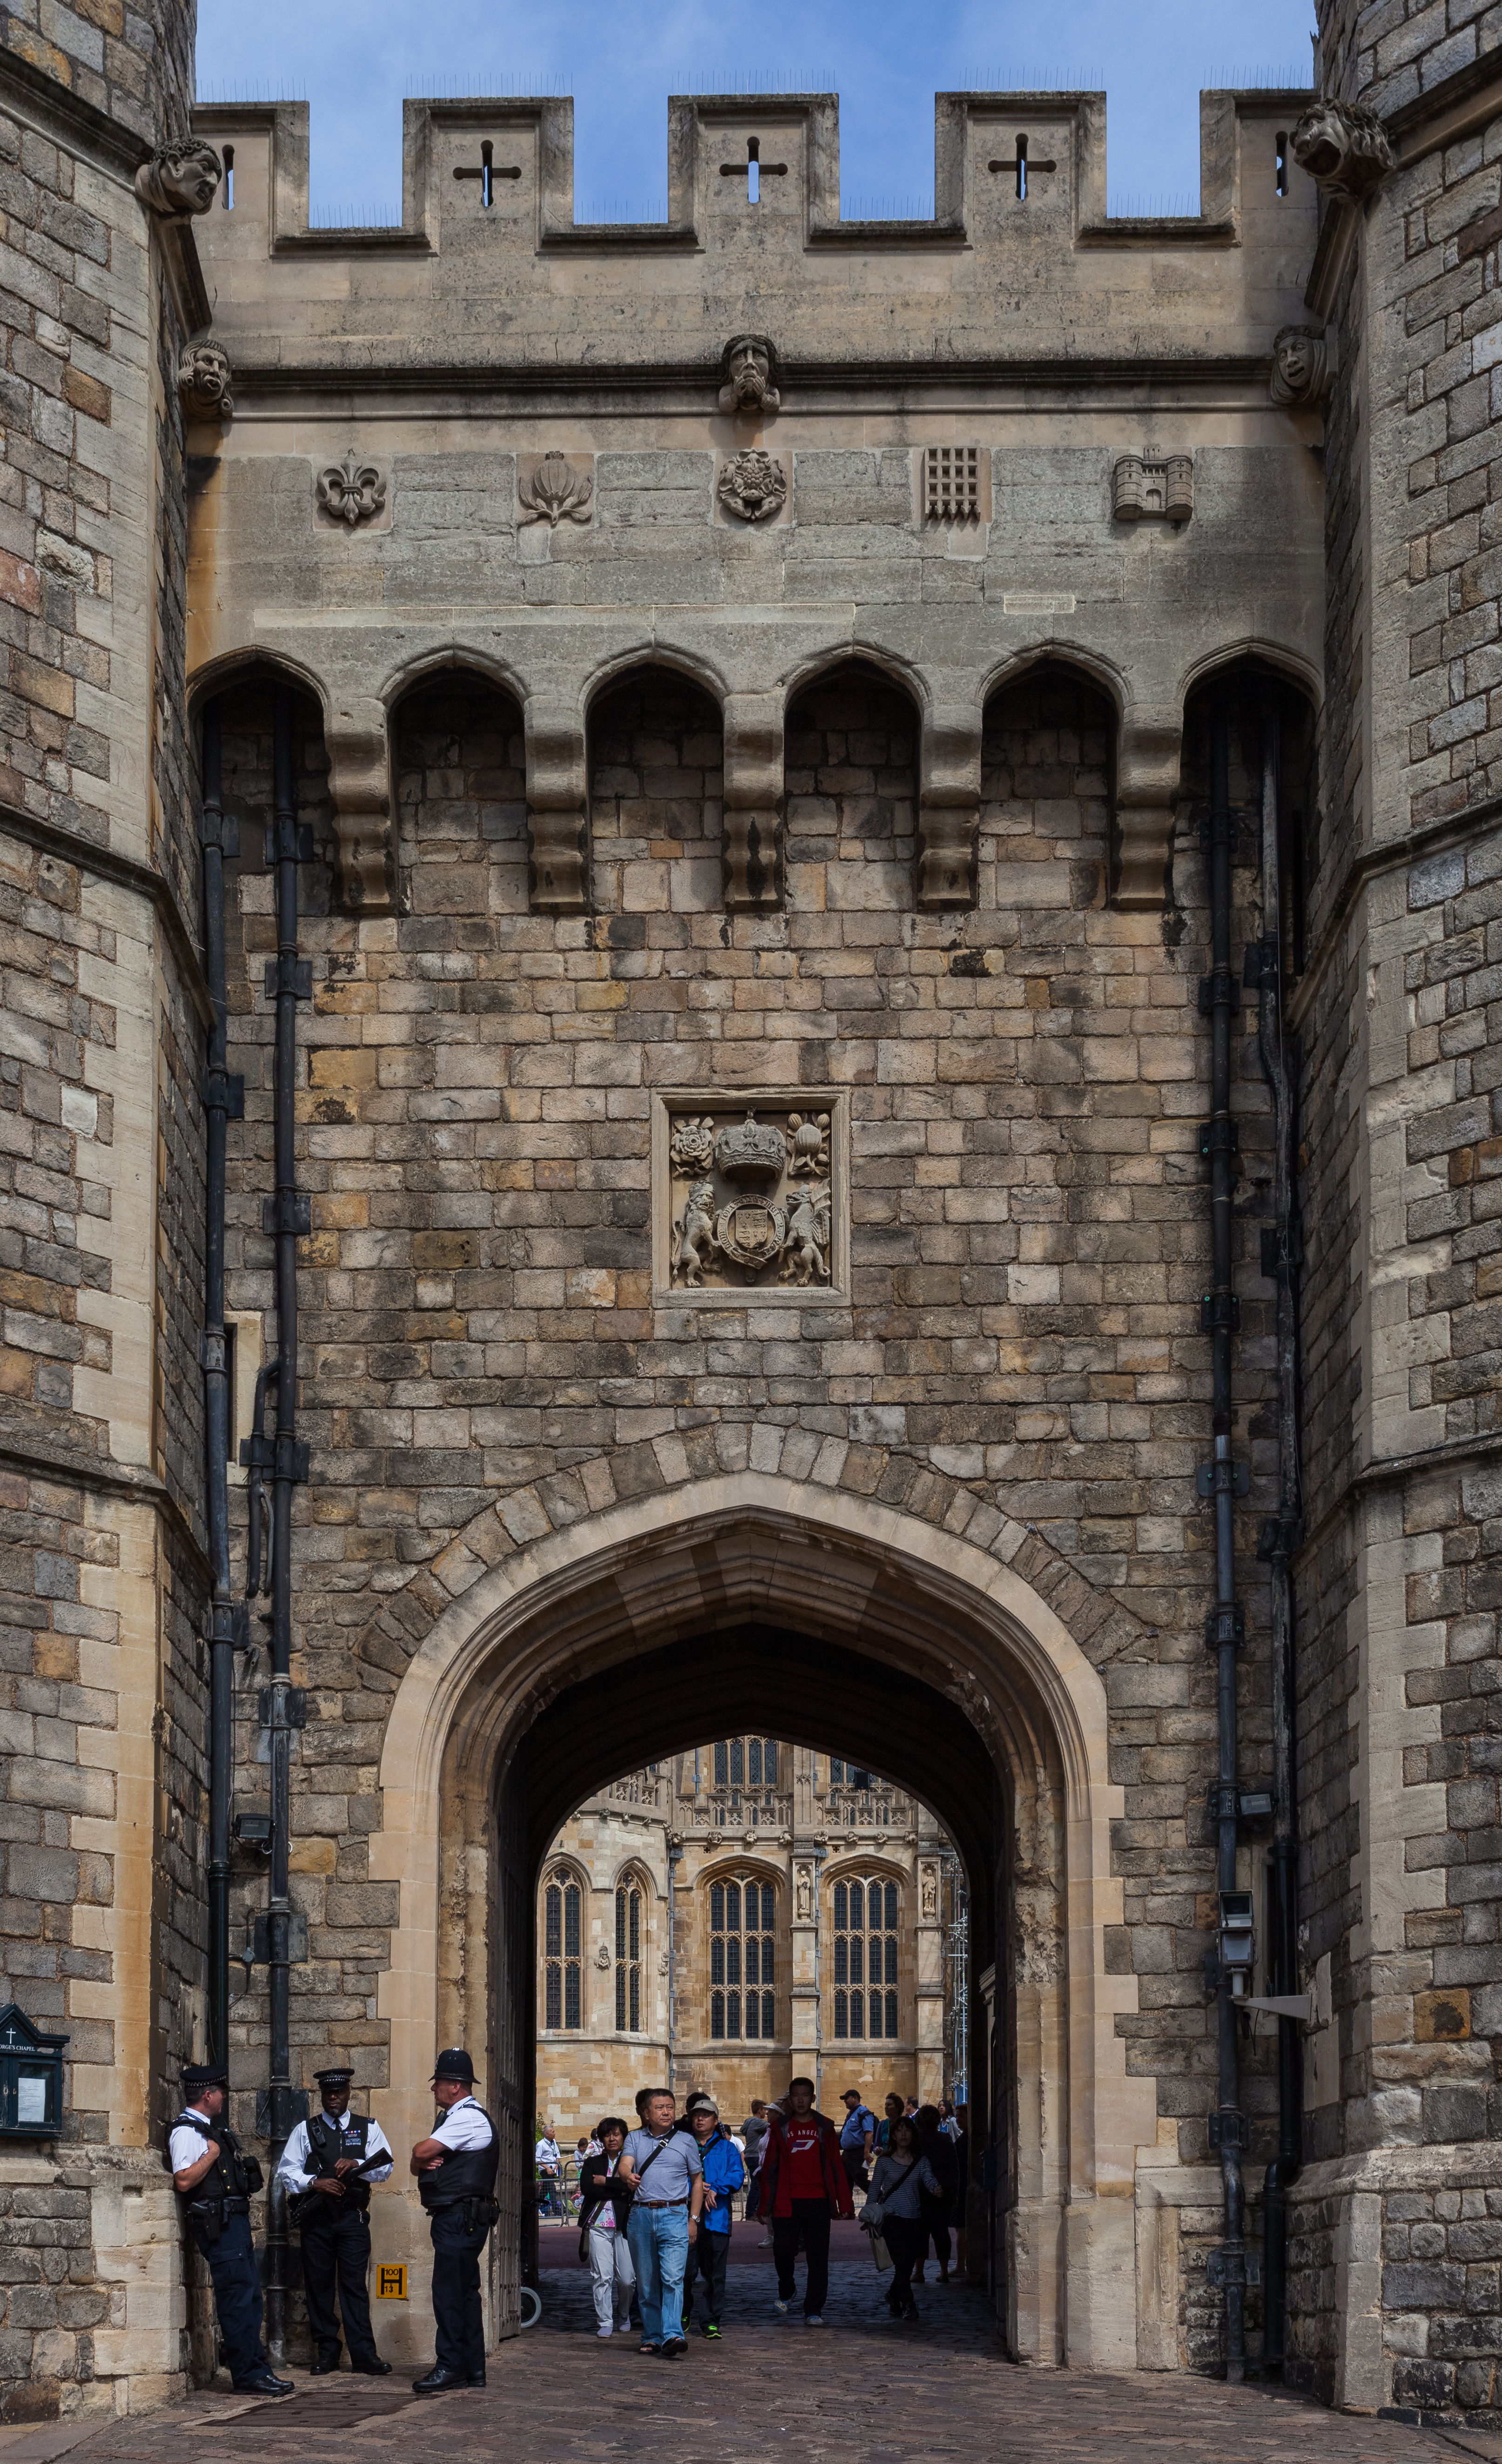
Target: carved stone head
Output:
[(203, 382), (748, 391), (1344, 149), (181, 179), (1300, 368)]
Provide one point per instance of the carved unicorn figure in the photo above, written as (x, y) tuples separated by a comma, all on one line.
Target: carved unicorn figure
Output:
[(806, 1256)]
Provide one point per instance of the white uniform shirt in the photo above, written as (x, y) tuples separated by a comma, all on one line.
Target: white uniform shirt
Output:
[(547, 2155), (296, 2170), (186, 2145), (463, 2126)]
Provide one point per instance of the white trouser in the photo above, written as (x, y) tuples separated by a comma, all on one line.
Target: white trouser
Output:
[(614, 2277)]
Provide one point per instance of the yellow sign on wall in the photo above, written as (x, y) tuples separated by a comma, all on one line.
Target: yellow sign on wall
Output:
[(390, 2281)]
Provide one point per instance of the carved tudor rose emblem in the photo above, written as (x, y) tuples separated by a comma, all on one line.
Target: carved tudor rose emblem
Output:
[(753, 486)]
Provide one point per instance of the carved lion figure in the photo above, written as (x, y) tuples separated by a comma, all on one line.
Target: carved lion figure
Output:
[(748, 391), (1300, 368), (180, 179), (203, 382), (1344, 149), (694, 1233)]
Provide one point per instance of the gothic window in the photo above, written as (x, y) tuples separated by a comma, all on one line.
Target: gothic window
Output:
[(844, 1775), (562, 1931), (742, 1760), (629, 1922), (742, 1929), (865, 1960)]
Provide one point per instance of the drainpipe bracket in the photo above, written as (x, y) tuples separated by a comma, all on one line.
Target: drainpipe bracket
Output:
[(285, 974), (1282, 1248), (1222, 1626), (1260, 967), (1217, 991), (1282, 1535), (1228, 2128), (289, 1210), (216, 829), (1222, 2268), (288, 842), (1219, 1137), (1223, 1479), (223, 1091), (1220, 1312), (230, 1622)]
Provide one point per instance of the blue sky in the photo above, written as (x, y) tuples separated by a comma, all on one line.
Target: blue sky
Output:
[(620, 59)]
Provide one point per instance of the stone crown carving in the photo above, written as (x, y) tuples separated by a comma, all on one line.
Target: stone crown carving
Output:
[(180, 179), (753, 486), (1149, 490), (555, 492), (351, 491), (1301, 369), (748, 391), (203, 382), (1344, 149)]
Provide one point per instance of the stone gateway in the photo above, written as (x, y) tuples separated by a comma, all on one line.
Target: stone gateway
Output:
[(751, 976)]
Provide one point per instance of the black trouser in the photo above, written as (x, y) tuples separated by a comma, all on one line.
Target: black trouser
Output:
[(459, 2340), (854, 2160), (709, 2254), (934, 2226), (905, 2239), (237, 2295), (809, 2223), (336, 2248)]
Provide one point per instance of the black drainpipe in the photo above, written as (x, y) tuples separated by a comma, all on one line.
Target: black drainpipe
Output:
[(1282, 1250), (1221, 1480), (285, 1216), (224, 1100)]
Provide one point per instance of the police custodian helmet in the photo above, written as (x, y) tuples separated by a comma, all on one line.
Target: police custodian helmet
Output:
[(454, 2063)]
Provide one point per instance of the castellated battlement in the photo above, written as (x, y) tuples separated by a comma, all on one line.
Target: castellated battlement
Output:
[(1021, 263)]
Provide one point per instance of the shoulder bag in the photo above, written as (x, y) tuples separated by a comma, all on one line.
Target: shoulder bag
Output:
[(879, 2245)]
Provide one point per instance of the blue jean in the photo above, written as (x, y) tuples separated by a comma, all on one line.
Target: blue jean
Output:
[(659, 2245)]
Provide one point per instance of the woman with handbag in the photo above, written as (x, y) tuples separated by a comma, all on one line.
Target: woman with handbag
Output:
[(899, 2181), (603, 2205), (934, 2212)]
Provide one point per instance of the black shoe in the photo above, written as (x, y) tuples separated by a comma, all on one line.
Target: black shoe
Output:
[(263, 2384), (373, 2368), (325, 2363), (476, 2382), (438, 2381)]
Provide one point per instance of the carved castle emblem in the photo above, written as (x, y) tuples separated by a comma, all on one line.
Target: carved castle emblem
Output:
[(351, 491), (742, 1213), (555, 492), (753, 486)]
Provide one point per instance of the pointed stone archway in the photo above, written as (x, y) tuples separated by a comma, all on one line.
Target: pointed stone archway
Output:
[(650, 1624)]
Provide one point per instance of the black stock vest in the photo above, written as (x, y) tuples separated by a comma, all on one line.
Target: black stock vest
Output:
[(465, 2173), (325, 2148), (226, 2178)]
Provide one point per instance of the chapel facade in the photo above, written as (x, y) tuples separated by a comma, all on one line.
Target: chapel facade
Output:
[(751, 965), (746, 1913)]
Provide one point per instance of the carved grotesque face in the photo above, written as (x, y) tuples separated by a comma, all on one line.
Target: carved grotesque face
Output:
[(1320, 140), (204, 380), (750, 375), (1294, 364), (190, 175)]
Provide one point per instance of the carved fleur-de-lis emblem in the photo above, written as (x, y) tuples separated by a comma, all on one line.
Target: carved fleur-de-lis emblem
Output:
[(351, 491)]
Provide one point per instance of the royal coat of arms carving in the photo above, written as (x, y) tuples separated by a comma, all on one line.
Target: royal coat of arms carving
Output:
[(751, 1199)]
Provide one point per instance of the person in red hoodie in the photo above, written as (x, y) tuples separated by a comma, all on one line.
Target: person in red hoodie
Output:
[(803, 2185)]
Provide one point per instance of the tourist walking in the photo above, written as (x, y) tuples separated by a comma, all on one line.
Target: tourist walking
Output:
[(548, 2158), (858, 2138), (900, 2180), (327, 2168), (801, 2187), (455, 2166), (214, 2180), (604, 2203), (935, 2208), (961, 2211), (709, 2252), (890, 2112), (660, 2165)]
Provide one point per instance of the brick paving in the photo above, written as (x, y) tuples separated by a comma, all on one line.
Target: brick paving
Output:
[(861, 2390)]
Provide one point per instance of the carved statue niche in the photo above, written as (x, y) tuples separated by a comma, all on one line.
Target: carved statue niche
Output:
[(181, 178), (1301, 370), (1344, 149), (747, 367), (203, 382)]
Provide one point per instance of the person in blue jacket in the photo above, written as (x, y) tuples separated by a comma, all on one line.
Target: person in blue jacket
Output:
[(724, 2173)]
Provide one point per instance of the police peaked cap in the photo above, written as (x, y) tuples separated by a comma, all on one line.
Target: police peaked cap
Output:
[(197, 2075), (339, 2074), (454, 2063)]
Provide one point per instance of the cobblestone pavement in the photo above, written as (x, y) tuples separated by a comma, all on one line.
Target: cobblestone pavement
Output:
[(772, 2388)]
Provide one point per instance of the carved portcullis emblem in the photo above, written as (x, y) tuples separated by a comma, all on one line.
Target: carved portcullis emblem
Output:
[(753, 486), (750, 1197)]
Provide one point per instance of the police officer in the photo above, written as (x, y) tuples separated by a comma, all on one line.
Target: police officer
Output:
[(455, 2168), (215, 2181), (328, 2166)]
